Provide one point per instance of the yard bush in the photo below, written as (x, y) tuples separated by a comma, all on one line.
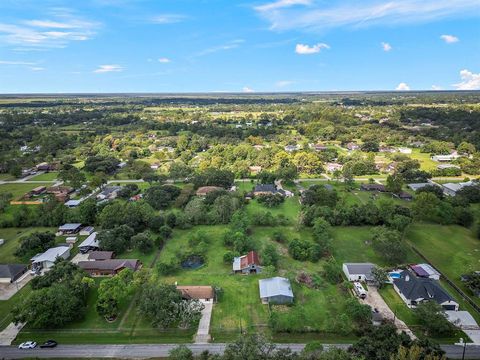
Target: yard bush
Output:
[(303, 250), (270, 200)]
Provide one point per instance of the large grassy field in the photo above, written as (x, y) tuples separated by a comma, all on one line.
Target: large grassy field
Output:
[(48, 176), (12, 239), (19, 189), (452, 249)]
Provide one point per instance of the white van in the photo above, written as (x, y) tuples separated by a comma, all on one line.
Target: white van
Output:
[(359, 290)]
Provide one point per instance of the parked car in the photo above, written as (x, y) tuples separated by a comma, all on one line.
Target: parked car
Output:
[(49, 344), (28, 345)]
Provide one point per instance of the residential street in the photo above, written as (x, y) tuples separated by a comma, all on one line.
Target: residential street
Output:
[(149, 351)]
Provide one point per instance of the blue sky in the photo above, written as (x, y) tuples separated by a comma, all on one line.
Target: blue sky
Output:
[(238, 46)]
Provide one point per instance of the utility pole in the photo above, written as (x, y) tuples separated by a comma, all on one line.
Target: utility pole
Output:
[(464, 348)]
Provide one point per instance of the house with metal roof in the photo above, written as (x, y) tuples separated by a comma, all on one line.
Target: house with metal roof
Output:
[(418, 186), (426, 271), (451, 189), (247, 264), (276, 290), (90, 243), (109, 193), (359, 271), (47, 259), (68, 229), (11, 272), (414, 290)]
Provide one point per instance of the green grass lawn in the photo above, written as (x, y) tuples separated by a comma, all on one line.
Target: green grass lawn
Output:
[(452, 249), (19, 189), (396, 304), (290, 208), (12, 239), (352, 244), (6, 177), (426, 163), (48, 176), (7, 305)]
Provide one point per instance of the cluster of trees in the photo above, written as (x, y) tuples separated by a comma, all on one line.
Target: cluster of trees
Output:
[(57, 298), (380, 343), (270, 200), (35, 243), (164, 307)]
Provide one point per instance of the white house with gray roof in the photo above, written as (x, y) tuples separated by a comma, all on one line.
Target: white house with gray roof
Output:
[(47, 259), (358, 271), (276, 290)]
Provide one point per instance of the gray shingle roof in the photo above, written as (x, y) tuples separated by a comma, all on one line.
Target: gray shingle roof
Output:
[(11, 270), (413, 288)]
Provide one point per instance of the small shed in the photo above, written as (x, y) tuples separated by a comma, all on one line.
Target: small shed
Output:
[(67, 229), (276, 290), (247, 264)]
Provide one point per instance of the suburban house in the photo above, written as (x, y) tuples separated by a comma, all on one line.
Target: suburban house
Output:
[(201, 293), (451, 189), (109, 267), (254, 170), (331, 167), (445, 158), (276, 290), (318, 147), (109, 193), (426, 271), (352, 146), (11, 272), (47, 259), (404, 150), (291, 148), (373, 187), (39, 190), (72, 203), (447, 166), (45, 167), (267, 189), (69, 229), (204, 190), (90, 243), (61, 193), (87, 230), (418, 186), (414, 290), (358, 271), (247, 264)]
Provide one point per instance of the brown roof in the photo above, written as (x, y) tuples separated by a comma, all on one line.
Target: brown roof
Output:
[(100, 255), (250, 259), (204, 190), (110, 265), (196, 292)]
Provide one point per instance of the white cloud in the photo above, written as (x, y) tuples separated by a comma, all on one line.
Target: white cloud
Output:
[(436, 88), (228, 46), (386, 46), (283, 83), (22, 63), (449, 39), (168, 18), (470, 81), (247, 89), (320, 15), (164, 60), (45, 34), (37, 68), (303, 49), (280, 4), (402, 87), (109, 68)]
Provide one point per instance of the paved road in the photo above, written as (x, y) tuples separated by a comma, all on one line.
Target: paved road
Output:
[(149, 351)]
